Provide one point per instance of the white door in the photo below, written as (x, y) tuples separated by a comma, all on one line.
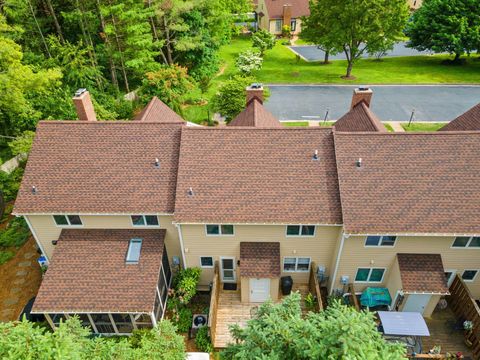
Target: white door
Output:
[(259, 290), (417, 303), (227, 267)]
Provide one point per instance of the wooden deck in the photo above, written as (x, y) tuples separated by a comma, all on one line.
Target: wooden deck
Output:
[(230, 310)]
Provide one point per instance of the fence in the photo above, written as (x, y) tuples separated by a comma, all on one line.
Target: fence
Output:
[(314, 286), (465, 308), (212, 313)]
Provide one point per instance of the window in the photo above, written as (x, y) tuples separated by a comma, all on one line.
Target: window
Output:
[(278, 25), (300, 230), (133, 253), (67, 220), (380, 240), (369, 275), (293, 24), (219, 229), (469, 275), (294, 264), (206, 261), (144, 220), (465, 241)]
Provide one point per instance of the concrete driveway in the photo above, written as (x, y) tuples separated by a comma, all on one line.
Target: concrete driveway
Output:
[(312, 53), (390, 102)]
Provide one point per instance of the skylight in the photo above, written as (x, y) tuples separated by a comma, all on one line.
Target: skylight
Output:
[(133, 253)]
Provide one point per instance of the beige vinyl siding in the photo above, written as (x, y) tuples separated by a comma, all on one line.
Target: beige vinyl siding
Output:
[(394, 281), (319, 247), (355, 255), (46, 230)]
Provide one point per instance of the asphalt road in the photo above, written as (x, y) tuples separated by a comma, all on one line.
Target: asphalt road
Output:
[(390, 103), (312, 53)]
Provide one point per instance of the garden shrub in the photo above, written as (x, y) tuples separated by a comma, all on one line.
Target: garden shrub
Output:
[(16, 233), (5, 256), (182, 319), (203, 341), (185, 284)]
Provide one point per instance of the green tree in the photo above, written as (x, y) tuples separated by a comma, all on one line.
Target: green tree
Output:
[(22, 143), (169, 83), (263, 41), (278, 331), (355, 27), (451, 26), (249, 61), (229, 101)]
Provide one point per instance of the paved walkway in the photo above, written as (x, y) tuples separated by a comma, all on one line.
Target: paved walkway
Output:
[(397, 127)]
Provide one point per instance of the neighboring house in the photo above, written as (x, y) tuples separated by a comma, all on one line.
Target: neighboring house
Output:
[(469, 120), (117, 206), (272, 15)]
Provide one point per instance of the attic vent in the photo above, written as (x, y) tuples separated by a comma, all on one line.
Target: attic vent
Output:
[(133, 253), (315, 155), (190, 192), (358, 163), (80, 92), (34, 190), (157, 163)]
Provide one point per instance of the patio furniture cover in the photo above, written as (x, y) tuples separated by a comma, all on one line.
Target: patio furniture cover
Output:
[(403, 323), (373, 296)]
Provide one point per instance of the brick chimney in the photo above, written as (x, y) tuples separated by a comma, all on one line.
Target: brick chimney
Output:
[(361, 94), (287, 14), (255, 91), (83, 103)]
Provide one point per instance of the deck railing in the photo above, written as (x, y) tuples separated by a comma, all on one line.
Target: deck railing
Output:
[(353, 296), (212, 313), (314, 286), (465, 308)]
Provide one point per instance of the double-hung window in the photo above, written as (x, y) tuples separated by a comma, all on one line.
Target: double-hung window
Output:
[(144, 220), (384, 240), (68, 220), (466, 241), (215, 229), (296, 264), (278, 25), (300, 230), (373, 275)]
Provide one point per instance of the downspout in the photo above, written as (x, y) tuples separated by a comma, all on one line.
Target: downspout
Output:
[(337, 263), (36, 238), (180, 237)]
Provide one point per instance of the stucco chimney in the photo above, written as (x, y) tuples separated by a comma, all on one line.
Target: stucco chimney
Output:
[(255, 91), (361, 94), (287, 14), (83, 103)]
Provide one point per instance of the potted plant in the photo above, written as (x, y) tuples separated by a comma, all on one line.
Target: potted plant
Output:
[(468, 327)]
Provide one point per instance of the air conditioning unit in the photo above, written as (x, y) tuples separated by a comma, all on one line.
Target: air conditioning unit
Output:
[(199, 320)]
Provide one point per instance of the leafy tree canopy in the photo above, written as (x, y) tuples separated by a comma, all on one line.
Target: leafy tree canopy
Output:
[(451, 26), (278, 331), (263, 41)]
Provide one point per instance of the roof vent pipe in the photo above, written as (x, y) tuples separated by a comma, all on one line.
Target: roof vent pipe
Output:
[(190, 192), (157, 163), (358, 163), (34, 189), (315, 155)]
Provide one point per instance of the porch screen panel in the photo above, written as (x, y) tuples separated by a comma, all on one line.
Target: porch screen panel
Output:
[(103, 324), (166, 266), (143, 321), (123, 323), (56, 318)]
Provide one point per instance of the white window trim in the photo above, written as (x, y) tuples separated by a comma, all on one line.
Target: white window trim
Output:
[(452, 276), (467, 246), (476, 274), (296, 264), (68, 220), (380, 242), (145, 221), (300, 232), (206, 267), (369, 274), (219, 230)]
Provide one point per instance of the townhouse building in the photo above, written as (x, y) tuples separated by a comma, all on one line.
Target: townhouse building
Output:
[(117, 207)]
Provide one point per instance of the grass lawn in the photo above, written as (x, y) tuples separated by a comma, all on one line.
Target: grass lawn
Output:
[(389, 127), (416, 127), (295, 123), (281, 66)]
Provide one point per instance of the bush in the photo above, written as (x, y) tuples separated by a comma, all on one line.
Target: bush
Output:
[(182, 319), (16, 233), (10, 183), (137, 335), (185, 284), (203, 341), (5, 256), (263, 40), (310, 301), (249, 61), (229, 101)]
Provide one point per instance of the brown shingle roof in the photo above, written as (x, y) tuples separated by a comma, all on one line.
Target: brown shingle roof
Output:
[(257, 175), (360, 118), (255, 115), (88, 272), (469, 120), (275, 8), (409, 183), (157, 111), (260, 259), (422, 273), (101, 167)]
